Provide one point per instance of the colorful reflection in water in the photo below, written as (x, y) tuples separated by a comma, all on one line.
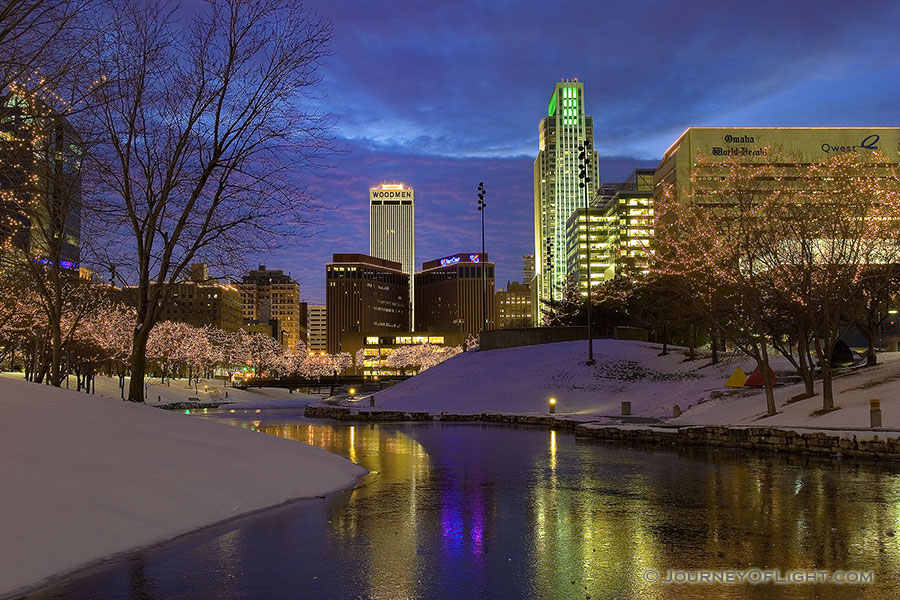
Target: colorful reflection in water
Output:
[(471, 511)]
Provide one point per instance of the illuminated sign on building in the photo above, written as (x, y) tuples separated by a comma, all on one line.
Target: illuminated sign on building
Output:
[(456, 258), (390, 194), (65, 264)]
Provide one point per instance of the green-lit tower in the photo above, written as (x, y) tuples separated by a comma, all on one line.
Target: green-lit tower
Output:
[(556, 190)]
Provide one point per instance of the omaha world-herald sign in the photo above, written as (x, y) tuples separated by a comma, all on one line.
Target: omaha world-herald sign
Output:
[(806, 143)]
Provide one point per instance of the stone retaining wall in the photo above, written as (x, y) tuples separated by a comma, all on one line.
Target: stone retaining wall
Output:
[(343, 413), (529, 336), (758, 438), (188, 405)]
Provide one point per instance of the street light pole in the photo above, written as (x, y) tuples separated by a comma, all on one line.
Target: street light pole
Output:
[(585, 160), (481, 205)]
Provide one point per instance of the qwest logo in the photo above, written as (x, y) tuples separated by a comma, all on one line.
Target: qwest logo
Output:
[(869, 143)]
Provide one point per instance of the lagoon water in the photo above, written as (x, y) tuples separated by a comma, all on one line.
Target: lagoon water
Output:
[(478, 511)]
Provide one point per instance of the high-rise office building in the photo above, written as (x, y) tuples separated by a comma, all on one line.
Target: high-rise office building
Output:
[(40, 183), (556, 183), (450, 294), (318, 333), (392, 229), (364, 294), (808, 144), (594, 226), (619, 227), (273, 298), (527, 268)]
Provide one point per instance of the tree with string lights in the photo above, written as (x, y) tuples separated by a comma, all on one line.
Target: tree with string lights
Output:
[(756, 244)]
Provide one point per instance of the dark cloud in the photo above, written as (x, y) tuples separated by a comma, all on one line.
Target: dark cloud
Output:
[(443, 95)]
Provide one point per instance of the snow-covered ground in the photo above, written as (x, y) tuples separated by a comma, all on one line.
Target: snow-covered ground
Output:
[(852, 393), (84, 477), (521, 380), (178, 390)]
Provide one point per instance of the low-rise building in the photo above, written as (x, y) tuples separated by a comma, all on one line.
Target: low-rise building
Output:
[(271, 297), (377, 348), (201, 301), (318, 328), (513, 306)]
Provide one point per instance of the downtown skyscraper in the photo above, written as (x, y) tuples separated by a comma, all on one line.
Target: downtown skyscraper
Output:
[(392, 230), (556, 185)]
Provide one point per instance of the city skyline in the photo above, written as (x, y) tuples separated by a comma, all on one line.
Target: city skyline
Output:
[(442, 99)]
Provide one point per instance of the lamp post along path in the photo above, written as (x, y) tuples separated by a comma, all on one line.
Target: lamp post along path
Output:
[(481, 205), (584, 159)]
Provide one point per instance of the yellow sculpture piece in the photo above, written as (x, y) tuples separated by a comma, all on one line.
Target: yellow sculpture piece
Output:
[(737, 379)]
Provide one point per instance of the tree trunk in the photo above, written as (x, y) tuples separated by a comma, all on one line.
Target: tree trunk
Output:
[(714, 334), (827, 389), (665, 336), (871, 359), (138, 362), (762, 362), (55, 353), (692, 342), (807, 369)]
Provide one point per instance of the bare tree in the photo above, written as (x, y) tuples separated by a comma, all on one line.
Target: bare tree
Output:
[(39, 41), (203, 133), (878, 286)]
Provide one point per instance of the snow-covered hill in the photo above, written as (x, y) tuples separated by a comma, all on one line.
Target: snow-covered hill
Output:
[(522, 380)]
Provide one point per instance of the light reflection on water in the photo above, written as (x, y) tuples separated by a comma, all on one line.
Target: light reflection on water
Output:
[(471, 511)]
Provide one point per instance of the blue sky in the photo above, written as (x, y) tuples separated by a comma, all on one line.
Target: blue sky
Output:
[(444, 95)]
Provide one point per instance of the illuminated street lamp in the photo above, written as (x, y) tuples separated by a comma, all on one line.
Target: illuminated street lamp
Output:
[(584, 159), (481, 205), (552, 406)]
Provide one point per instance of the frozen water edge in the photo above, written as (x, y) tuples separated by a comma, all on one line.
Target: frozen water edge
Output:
[(87, 478)]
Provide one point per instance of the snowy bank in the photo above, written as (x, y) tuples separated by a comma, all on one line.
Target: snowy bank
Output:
[(178, 390), (522, 380), (86, 477), (852, 394)]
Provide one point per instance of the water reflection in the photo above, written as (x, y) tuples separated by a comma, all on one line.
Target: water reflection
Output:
[(384, 538), (470, 511)]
